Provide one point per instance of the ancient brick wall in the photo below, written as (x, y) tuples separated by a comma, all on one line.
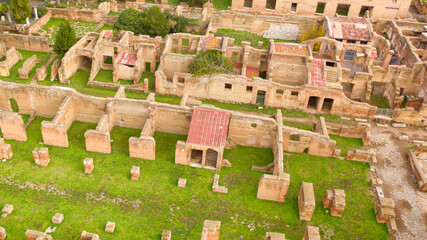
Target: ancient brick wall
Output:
[(31, 43)]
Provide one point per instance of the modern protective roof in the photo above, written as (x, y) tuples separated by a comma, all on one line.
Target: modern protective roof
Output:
[(208, 128), (348, 28), (128, 58)]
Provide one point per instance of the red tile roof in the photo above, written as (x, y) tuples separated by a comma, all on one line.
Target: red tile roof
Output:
[(108, 34), (349, 29), (295, 49), (317, 73), (128, 58), (208, 128), (211, 42), (252, 72)]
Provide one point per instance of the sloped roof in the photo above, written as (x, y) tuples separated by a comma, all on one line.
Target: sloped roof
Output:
[(208, 128), (348, 28)]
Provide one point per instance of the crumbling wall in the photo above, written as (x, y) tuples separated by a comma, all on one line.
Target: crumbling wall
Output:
[(26, 42), (12, 126), (55, 132), (12, 57), (27, 66)]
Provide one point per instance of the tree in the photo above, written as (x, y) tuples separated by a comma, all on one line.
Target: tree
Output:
[(210, 61), (154, 22), (176, 23), (65, 38), (4, 8), (20, 9), (130, 20)]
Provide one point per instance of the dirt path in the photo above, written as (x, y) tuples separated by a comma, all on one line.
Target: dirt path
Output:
[(399, 180)]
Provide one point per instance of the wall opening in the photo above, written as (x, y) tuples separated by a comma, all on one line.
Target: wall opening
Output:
[(271, 4), (320, 7), (312, 102), (249, 88), (349, 55), (14, 105), (108, 60), (211, 158), (364, 9), (147, 67), (228, 86), (294, 7), (279, 92), (248, 4), (260, 97), (196, 156), (327, 104), (342, 9), (295, 137), (294, 93), (181, 80)]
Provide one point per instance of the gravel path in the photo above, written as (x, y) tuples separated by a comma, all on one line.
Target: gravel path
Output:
[(399, 184)]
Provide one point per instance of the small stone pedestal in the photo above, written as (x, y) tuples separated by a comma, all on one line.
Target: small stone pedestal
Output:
[(211, 230), (2, 233), (182, 182), (7, 210), (41, 156), (88, 164), (306, 201), (57, 218), (335, 200), (109, 228), (166, 235), (135, 172)]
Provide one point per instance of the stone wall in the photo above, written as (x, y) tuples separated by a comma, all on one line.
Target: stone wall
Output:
[(378, 8), (12, 57), (30, 43)]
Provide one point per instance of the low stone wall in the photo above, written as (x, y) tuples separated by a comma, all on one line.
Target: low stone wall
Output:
[(27, 66), (12, 57), (26, 42)]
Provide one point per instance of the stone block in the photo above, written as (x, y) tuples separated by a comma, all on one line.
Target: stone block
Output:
[(41, 156), (384, 209), (211, 230), (274, 236), (403, 138), (182, 182), (2, 233), (36, 235), (398, 125), (135, 172), (338, 205), (311, 233), (110, 227), (57, 218), (273, 188), (306, 201), (7, 210), (391, 226), (216, 187), (166, 235), (89, 236), (328, 199), (88, 165), (5, 150)]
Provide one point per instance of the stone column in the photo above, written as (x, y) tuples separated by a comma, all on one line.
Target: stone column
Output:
[(36, 16), (27, 21)]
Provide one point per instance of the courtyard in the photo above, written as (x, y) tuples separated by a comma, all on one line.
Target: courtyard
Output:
[(142, 209)]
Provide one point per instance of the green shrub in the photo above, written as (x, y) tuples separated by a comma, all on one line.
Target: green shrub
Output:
[(65, 38), (130, 20), (176, 23), (4, 8), (210, 61), (20, 9), (41, 11)]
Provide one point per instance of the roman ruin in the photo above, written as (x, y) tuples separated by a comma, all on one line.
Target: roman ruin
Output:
[(314, 96)]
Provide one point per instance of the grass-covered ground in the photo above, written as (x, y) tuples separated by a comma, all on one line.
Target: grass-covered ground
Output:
[(107, 76), (80, 27), (105, 27), (380, 102), (14, 75), (142, 209), (240, 36), (300, 125), (346, 143)]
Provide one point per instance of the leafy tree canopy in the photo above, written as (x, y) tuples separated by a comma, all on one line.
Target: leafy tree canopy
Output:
[(4, 8), (208, 62), (20, 9), (65, 38)]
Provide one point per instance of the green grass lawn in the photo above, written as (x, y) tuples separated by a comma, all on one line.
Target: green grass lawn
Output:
[(105, 27), (142, 209), (240, 36), (300, 125), (80, 27), (346, 143), (221, 4), (174, 2), (14, 75), (380, 102)]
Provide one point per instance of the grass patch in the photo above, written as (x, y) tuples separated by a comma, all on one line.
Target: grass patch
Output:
[(346, 143), (300, 125), (221, 4), (80, 27), (14, 75), (105, 27), (240, 36), (162, 205), (380, 102), (114, 13)]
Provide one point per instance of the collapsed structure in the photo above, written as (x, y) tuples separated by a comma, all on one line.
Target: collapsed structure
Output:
[(418, 160)]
